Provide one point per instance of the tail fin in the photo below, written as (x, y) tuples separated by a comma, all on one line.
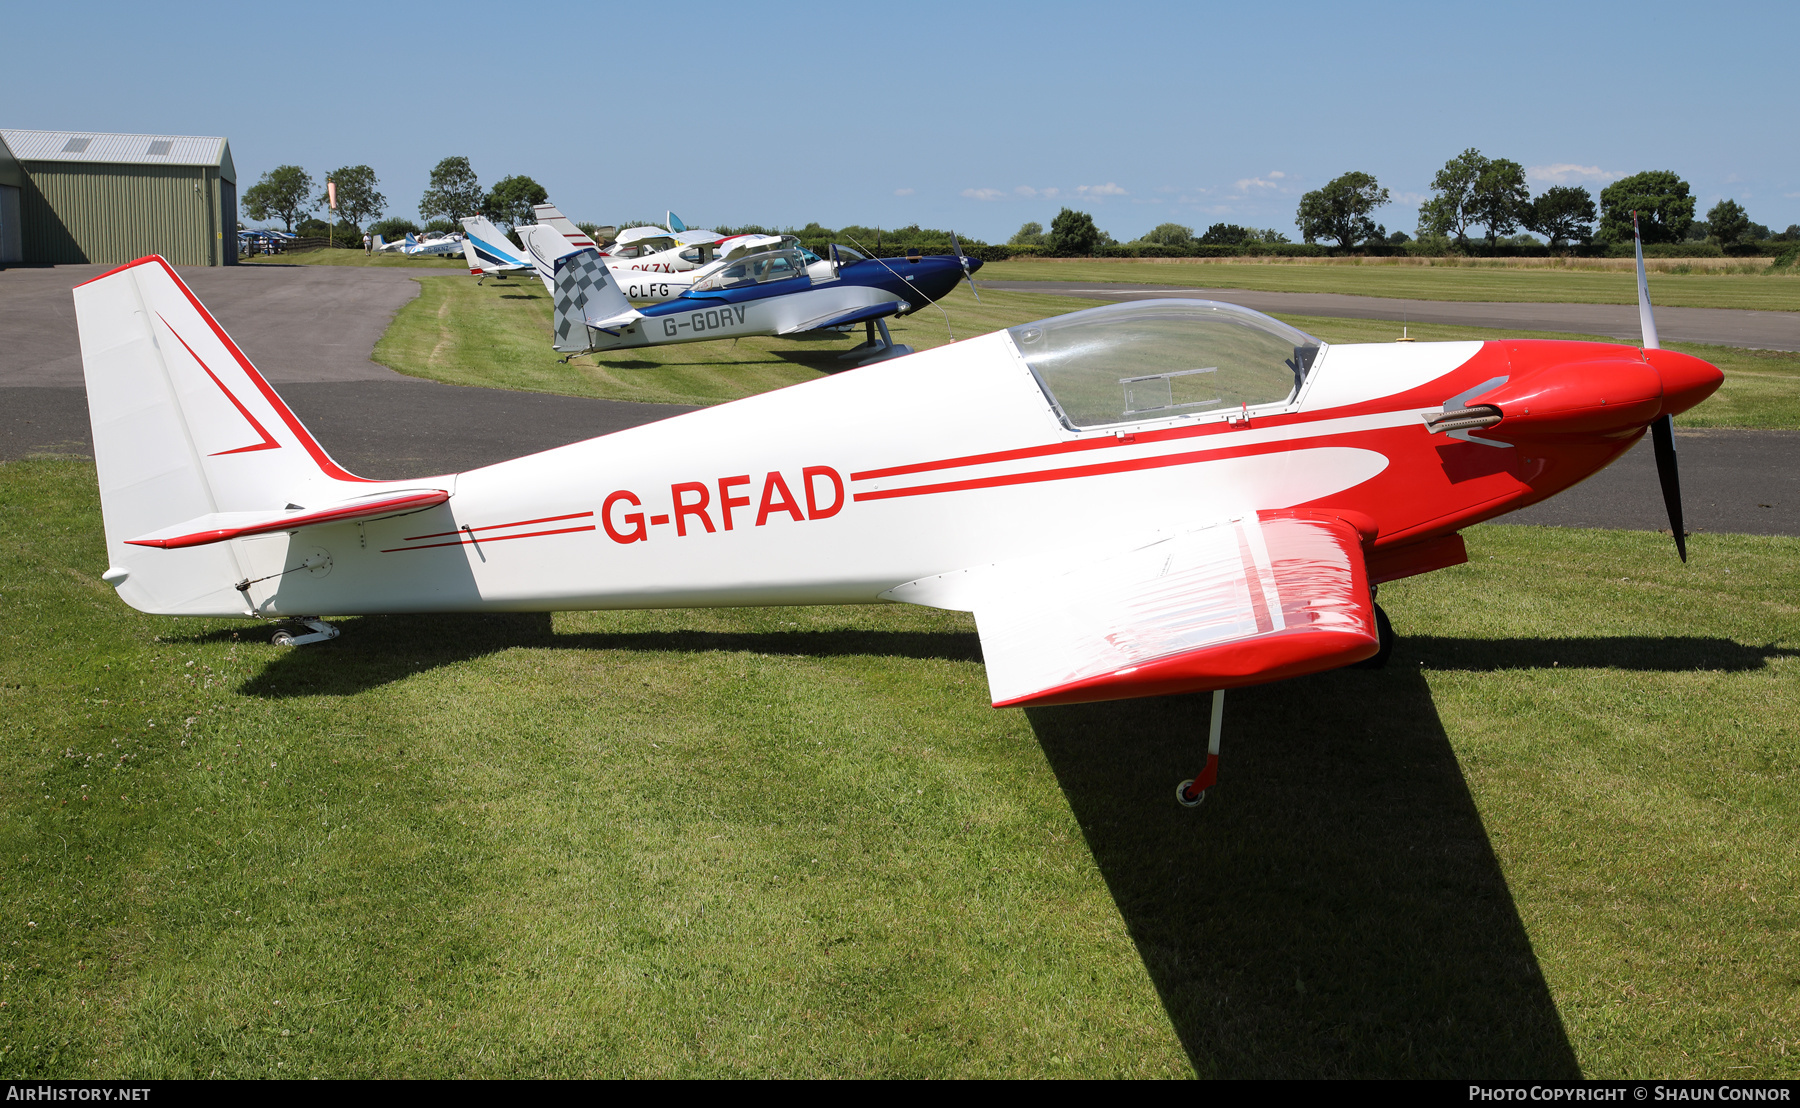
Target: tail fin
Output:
[(184, 426), (548, 216), (675, 224), (587, 299), (491, 243), (410, 241), (476, 269), (379, 244), (545, 244)]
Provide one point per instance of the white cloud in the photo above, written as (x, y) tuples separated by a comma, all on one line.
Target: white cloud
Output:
[(1100, 192), (1245, 184), (983, 194), (1413, 198), (1030, 193), (903, 192), (1566, 173), (1277, 174)]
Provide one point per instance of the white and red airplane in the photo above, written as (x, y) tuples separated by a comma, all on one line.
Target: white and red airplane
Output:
[(1137, 499)]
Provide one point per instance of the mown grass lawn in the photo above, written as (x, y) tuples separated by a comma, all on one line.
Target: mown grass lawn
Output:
[(498, 335), (1778, 290), (1554, 835)]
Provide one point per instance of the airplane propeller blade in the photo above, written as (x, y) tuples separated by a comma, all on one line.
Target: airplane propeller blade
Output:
[(1662, 432), (968, 274)]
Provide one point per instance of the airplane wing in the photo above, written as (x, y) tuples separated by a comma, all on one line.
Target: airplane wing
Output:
[(219, 526), (853, 315), (1237, 603)]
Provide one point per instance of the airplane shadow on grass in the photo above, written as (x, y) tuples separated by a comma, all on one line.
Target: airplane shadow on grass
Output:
[(1334, 908), (376, 650)]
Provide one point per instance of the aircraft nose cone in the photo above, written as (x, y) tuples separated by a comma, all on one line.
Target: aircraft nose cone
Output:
[(1686, 380), (974, 264)]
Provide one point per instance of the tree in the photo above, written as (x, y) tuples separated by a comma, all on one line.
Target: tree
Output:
[(1661, 199), (1451, 210), (282, 193), (393, 229), (1271, 236), (509, 202), (357, 199), (1072, 233), (1169, 234), (1728, 221), (453, 191), (1563, 213), (1341, 210), (1500, 201), (1031, 234), (1229, 234)]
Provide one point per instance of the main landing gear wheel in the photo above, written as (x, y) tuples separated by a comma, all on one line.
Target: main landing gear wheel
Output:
[(1384, 631), (1190, 793)]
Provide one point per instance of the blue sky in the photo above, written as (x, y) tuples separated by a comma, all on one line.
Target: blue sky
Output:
[(966, 115)]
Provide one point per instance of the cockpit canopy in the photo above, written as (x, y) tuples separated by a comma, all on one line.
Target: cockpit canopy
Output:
[(755, 269), (1163, 359)]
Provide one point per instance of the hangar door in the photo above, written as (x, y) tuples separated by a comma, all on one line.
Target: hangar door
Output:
[(98, 213)]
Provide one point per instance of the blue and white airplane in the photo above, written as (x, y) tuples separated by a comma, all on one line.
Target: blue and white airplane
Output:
[(773, 292), (488, 251)]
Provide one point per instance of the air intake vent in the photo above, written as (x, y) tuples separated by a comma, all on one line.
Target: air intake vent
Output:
[(160, 146), (77, 145)]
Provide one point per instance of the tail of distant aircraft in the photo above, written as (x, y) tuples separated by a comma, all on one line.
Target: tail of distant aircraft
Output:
[(545, 244), (194, 448), (549, 216), (675, 224), (587, 297), (488, 249), (410, 241), (380, 245)]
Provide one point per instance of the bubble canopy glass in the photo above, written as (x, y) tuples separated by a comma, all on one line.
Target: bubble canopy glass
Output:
[(1163, 359)]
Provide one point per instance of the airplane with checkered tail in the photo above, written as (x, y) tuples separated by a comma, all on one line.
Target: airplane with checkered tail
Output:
[(1137, 499), (765, 292)]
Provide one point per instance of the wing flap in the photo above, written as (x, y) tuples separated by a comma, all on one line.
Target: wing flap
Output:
[(220, 526), (1236, 603)]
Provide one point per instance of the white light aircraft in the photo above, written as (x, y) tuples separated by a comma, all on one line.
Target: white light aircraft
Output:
[(433, 244), (1143, 498), (545, 243)]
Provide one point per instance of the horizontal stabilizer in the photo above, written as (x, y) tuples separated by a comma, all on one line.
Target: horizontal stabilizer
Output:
[(219, 526), (854, 315)]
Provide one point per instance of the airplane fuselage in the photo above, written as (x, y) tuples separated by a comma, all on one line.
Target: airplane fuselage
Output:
[(846, 489)]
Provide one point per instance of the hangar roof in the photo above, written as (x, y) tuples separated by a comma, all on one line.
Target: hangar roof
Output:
[(91, 146)]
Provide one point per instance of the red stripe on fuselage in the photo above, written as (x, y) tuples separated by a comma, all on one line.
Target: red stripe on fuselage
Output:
[(491, 538), (497, 526)]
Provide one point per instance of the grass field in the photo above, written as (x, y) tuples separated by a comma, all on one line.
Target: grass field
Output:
[(498, 335), (1702, 288), (1554, 836)]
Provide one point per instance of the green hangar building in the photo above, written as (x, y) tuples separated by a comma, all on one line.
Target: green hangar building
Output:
[(78, 196)]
